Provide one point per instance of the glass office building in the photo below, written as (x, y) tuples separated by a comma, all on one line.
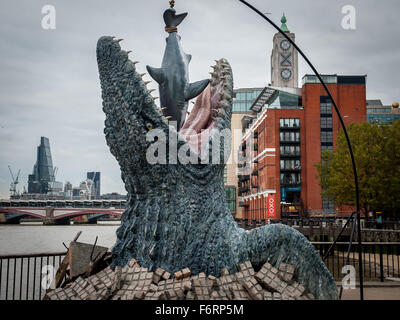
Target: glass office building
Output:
[(244, 98), (43, 172), (378, 113)]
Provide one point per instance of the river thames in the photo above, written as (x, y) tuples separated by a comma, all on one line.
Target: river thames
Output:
[(37, 238)]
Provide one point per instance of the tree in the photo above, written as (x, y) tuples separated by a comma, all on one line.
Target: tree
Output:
[(376, 151)]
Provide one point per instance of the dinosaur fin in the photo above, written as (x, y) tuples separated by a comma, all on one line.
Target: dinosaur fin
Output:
[(196, 88), (171, 19), (156, 73)]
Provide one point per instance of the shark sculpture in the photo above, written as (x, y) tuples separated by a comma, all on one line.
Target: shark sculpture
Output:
[(173, 76)]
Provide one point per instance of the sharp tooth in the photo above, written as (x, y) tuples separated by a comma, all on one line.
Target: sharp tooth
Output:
[(214, 67), (128, 52), (155, 98), (119, 40), (143, 74), (168, 117), (150, 91), (146, 83), (163, 108), (135, 62)]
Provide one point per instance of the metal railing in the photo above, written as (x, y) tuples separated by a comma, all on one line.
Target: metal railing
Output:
[(21, 276), (380, 259)]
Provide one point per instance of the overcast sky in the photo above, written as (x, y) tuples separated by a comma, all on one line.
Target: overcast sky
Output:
[(49, 83)]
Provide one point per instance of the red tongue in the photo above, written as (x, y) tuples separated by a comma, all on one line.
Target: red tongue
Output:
[(196, 129), (200, 114)]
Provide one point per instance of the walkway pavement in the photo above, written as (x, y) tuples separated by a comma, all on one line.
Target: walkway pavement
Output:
[(389, 290)]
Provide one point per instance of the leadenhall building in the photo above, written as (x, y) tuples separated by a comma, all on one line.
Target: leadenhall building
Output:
[(284, 135)]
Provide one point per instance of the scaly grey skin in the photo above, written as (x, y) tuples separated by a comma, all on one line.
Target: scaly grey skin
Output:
[(176, 214), (173, 76)]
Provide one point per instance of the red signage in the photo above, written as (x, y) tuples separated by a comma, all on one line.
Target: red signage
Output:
[(271, 205)]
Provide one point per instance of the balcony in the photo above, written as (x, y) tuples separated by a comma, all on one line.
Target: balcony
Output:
[(243, 178)]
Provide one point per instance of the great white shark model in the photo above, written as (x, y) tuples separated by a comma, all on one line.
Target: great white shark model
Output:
[(173, 76)]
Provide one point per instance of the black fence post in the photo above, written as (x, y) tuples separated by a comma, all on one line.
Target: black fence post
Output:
[(381, 262)]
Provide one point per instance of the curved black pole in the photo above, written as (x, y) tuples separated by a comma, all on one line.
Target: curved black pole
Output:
[(344, 130)]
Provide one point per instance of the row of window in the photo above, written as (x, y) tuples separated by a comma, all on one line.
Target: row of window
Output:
[(290, 136), (241, 106), (289, 123), (247, 95), (290, 150), (290, 165), (379, 110), (291, 178)]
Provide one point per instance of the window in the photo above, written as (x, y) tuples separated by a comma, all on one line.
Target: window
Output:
[(328, 206), (330, 148), (326, 137), (326, 123), (289, 123), (230, 196), (290, 136), (290, 150), (326, 108), (290, 165), (290, 178)]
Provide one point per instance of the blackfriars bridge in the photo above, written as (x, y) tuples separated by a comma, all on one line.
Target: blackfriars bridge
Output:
[(59, 211)]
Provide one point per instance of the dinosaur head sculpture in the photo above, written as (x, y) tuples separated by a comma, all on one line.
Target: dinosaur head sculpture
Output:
[(144, 139)]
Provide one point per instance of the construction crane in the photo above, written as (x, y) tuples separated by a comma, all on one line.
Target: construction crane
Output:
[(13, 185)]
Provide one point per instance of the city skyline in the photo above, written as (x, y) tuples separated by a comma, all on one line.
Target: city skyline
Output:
[(50, 85)]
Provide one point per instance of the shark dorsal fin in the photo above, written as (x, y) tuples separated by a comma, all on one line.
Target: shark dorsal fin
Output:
[(188, 57), (196, 88), (156, 73)]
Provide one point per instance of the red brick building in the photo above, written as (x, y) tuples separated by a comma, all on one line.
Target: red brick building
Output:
[(282, 142)]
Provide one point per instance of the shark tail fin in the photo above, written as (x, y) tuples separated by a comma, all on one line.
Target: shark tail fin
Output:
[(156, 73), (171, 19)]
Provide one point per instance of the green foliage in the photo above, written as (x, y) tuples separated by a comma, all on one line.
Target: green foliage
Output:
[(376, 151)]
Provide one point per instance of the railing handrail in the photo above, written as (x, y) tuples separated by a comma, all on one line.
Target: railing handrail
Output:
[(363, 243), (32, 255)]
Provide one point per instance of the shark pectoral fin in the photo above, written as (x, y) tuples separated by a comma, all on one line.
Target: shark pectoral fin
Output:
[(156, 73), (196, 88)]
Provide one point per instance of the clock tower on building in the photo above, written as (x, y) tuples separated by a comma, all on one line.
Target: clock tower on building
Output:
[(284, 59)]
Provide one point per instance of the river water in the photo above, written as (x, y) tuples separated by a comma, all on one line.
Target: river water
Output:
[(37, 238)]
